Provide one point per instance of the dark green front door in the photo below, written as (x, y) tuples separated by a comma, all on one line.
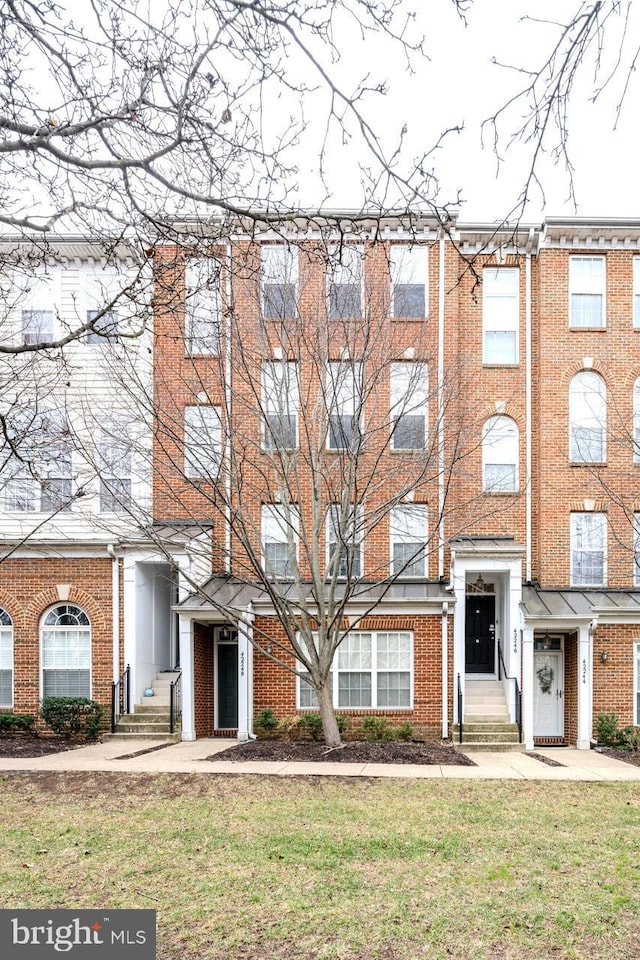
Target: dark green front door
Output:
[(227, 686)]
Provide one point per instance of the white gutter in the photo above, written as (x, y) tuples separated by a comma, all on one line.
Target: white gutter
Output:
[(445, 670), (441, 487), (528, 414), (115, 609)]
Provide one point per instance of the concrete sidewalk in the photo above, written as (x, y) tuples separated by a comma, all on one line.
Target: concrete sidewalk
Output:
[(192, 758)]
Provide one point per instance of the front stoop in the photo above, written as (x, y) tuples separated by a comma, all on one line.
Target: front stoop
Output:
[(150, 719), (486, 725)]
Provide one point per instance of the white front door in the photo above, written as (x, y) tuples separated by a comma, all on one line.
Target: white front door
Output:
[(548, 696)]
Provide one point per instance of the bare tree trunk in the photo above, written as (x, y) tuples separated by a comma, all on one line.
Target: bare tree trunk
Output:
[(328, 716)]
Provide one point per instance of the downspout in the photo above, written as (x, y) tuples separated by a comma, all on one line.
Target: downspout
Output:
[(440, 440), (445, 670), (115, 609), (528, 415), (227, 391)]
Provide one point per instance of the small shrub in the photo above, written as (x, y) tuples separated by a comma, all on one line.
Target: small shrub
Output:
[(607, 730), (311, 723), (17, 722), (630, 738), (289, 727), (72, 717), (266, 721), (403, 732), (376, 728)]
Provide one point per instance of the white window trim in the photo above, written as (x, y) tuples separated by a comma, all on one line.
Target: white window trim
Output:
[(195, 345), (591, 375), (334, 251), (287, 380), (41, 630), (404, 403), (9, 629), (394, 538), (636, 683), (269, 520), (602, 293), (191, 470), (486, 462), (396, 274), (357, 542), (289, 278), (635, 301), (337, 406), (335, 686), (636, 549), (572, 550), (514, 326), (43, 296)]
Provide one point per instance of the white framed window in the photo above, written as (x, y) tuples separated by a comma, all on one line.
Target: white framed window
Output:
[(587, 418), (202, 304), (6, 659), (636, 421), (587, 291), (636, 684), (408, 532), (66, 652), (344, 538), (101, 287), (202, 442), (115, 454), (500, 314), (636, 549), (371, 670), (636, 292), (279, 281), (38, 475), (409, 281), (409, 387), (588, 549), (280, 403), (280, 537), (345, 278), (41, 291), (344, 405), (500, 455)]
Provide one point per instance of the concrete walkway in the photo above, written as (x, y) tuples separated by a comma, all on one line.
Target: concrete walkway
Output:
[(192, 758)]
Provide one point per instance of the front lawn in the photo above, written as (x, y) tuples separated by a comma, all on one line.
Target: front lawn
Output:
[(259, 868)]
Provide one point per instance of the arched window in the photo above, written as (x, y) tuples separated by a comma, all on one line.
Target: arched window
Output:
[(587, 418), (66, 652), (6, 659), (500, 444), (636, 421)]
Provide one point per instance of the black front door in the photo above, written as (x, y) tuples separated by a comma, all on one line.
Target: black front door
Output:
[(227, 686), (480, 646)]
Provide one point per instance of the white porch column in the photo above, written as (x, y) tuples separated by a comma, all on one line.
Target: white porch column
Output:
[(185, 639), (585, 674), (245, 661), (527, 687)]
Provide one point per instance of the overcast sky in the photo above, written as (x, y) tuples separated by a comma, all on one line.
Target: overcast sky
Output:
[(460, 86)]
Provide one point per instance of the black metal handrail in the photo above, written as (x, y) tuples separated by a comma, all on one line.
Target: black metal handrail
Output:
[(175, 701), (518, 698), (459, 710), (120, 697)]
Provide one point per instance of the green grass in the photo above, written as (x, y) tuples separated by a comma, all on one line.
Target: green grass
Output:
[(257, 867)]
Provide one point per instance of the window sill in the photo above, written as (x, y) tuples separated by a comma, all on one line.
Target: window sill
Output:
[(581, 464), (362, 711), (602, 329), (501, 493), (500, 366)]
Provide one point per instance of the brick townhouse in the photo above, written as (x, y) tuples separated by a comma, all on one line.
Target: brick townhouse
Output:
[(472, 394)]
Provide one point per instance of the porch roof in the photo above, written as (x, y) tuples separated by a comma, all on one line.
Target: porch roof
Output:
[(225, 593), (572, 603)]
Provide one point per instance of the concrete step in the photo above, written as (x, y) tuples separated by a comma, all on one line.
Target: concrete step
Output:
[(142, 737), (138, 728), (151, 705), (480, 726), (487, 716), (489, 747), (484, 686), (489, 736)]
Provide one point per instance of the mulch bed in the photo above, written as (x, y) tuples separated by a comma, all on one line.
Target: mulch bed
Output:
[(23, 746), (629, 756), (352, 751)]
